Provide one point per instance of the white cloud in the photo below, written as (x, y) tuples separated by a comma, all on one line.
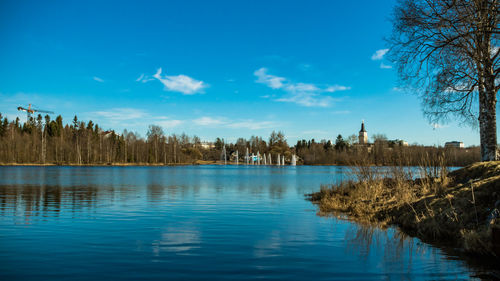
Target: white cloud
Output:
[(274, 82), (248, 124), (132, 117), (315, 132), (341, 112), (181, 83), (439, 126), (208, 121), (121, 114), (304, 94), (140, 78), (385, 66), (308, 100), (336, 88), (169, 123), (379, 54), (144, 79), (97, 79), (251, 125)]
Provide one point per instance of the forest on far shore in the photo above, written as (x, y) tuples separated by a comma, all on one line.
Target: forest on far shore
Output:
[(41, 140)]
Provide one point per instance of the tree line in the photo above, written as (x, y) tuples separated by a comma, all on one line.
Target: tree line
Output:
[(41, 140), (381, 152)]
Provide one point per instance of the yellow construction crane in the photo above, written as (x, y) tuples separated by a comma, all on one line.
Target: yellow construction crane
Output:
[(30, 111)]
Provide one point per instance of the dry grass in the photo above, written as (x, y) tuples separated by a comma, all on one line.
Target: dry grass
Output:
[(429, 201)]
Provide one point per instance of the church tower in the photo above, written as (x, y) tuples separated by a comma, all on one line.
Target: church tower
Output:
[(363, 135)]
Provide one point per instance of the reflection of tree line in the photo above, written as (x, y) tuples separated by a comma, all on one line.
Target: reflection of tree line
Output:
[(399, 250), (402, 250), (32, 201)]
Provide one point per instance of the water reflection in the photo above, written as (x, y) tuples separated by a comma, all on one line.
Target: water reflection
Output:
[(401, 253), (177, 239), (202, 223), (47, 201)]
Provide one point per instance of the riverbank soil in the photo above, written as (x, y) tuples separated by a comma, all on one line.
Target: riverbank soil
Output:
[(457, 209)]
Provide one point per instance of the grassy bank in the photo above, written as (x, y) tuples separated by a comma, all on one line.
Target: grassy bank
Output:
[(430, 203)]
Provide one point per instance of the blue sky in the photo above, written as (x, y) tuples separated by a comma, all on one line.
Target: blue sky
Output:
[(313, 69)]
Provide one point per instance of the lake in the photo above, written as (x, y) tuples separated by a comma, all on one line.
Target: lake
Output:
[(195, 223)]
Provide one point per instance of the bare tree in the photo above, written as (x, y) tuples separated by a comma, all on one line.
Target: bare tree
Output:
[(448, 52), (154, 134)]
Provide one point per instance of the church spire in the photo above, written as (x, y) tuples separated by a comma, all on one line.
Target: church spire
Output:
[(363, 135), (362, 127)]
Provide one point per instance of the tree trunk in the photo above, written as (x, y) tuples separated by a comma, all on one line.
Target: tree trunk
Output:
[(88, 147), (43, 146), (488, 122)]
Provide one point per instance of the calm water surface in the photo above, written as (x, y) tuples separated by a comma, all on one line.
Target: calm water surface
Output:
[(194, 222)]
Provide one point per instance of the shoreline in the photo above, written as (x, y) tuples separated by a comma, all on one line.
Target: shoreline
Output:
[(452, 211), (196, 163)]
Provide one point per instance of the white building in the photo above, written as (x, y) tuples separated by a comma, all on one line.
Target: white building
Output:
[(456, 144), (207, 145)]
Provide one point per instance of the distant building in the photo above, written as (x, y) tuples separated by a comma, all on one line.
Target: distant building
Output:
[(456, 144), (363, 135), (207, 145), (397, 142)]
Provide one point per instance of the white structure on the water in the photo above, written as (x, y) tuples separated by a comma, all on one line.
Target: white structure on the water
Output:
[(237, 157), (223, 155), (264, 158), (294, 160), (279, 160), (270, 159), (283, 160), (246, 157)]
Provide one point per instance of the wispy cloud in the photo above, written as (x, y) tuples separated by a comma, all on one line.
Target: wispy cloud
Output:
[(341, 112), (209, 121), (304, 94), (168, 123), (252, 125), (439, 126), (304, 66), (121, 114), (180, 83), (379, 54), (98, 79), (222, 122), (336, 88), (144, 79), (133, 117), (140, 118), (315, 132), (385, 66), (272, 81)]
